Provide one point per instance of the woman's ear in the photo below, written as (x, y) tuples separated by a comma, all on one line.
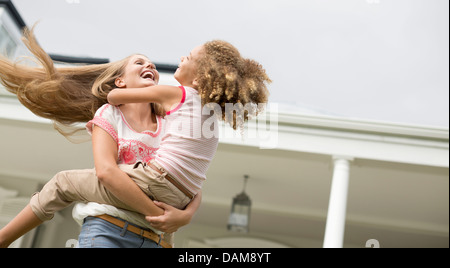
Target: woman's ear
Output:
[(120, 82)]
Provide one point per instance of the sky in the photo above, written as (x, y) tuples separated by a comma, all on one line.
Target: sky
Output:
[(376, 60)]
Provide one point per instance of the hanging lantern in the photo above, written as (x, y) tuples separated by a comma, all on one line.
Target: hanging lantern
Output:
[(240, 211)]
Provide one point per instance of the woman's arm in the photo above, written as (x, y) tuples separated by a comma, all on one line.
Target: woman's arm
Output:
[(167, 96), (114, 179), (173, 218)]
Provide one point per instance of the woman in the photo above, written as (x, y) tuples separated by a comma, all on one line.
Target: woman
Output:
[(133, 138), (64, 95)]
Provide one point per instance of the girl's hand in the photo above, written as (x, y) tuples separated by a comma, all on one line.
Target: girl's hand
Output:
[(171, 220), (112, 101)]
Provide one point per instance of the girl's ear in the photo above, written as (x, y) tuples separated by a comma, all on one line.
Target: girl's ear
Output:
[(120, 82), (195, 83)]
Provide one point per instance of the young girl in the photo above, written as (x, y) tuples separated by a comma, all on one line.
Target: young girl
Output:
[(214, 72), (69, 90)]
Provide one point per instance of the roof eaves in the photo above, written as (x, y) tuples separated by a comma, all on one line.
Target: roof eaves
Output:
[(14, 13)]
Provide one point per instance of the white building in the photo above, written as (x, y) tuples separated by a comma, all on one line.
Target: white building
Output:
[(325, 182)]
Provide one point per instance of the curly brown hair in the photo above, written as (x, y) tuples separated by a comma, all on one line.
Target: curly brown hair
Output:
[(225, 77)]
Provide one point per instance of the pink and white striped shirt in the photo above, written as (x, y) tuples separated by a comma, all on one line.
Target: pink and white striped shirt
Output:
[(189, 142)]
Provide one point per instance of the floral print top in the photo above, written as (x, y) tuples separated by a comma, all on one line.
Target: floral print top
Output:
[(133, 146)]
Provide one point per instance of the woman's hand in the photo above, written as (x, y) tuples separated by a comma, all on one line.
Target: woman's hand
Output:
[(171, 220), (114, 179)]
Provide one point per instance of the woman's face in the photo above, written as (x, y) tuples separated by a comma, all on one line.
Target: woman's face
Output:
[(139, 72)]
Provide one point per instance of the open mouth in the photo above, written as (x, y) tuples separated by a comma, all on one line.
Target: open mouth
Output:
[(148, 75)]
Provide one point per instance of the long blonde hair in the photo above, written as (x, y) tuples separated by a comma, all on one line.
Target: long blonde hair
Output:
[(66, 95)]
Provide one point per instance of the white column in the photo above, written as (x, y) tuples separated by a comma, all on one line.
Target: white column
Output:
[(335, 227)]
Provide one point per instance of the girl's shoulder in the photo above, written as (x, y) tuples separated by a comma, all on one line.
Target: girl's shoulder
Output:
[(188, 92), (189, 89)]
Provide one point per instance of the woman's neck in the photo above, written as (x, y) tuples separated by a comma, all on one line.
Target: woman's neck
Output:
[(139, 116)]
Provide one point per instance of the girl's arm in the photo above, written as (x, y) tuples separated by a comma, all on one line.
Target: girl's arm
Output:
[(167, 96), (174, 218), (114, 179)]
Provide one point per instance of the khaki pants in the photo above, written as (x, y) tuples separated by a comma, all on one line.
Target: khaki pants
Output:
[(82, 185)]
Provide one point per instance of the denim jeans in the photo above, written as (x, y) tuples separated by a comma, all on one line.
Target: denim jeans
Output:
[(97, 233)]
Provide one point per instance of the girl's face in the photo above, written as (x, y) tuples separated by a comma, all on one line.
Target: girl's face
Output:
[(139, 72), (187, 70)]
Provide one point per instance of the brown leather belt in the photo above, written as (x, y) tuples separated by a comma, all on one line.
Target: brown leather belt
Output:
[(149, 234), (173, 181)]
